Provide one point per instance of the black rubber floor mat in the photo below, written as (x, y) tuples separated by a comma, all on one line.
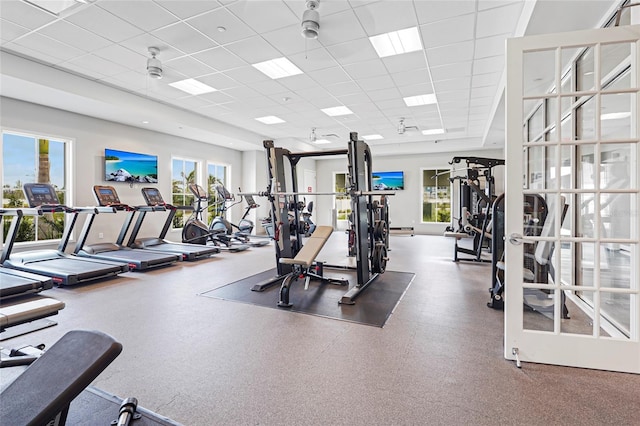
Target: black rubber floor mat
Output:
[(373, 306)]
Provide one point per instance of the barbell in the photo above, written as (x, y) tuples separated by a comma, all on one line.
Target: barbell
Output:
[(346, 194)]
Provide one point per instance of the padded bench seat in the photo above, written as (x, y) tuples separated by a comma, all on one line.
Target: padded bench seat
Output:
[(22, 312), (312, 246)]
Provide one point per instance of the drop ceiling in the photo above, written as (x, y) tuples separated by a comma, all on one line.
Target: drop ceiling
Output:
[(91, 59)]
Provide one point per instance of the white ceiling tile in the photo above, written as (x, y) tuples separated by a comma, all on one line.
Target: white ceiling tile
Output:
[(451, 54), (383, 17), (353, 51), (453, 84), (432, 11), (487, 65), (416, 89), (354, 99), (365, 109), (315, 92), (289, 41), (111, 27), (446, 72), (219, 81), (129, 79), (189, 67), (49, 46), (406, 61), (10, 31), (217, 97), (80, 70), (486, 102), (123, 56), (448, 31), (481, 111), (500, 20), (376, 83), (191, 102), (327, 7), (75, 36), (246, 75), (253, 13), (140, 44), (220, 59), (490, 4), (481, 92), (242, 92), (456, 95), (24, 14), (184, 37), (390, 104), (31, 53), (97, 65), (366, 69), (297, 82), (330, 76), (490, 46), (144, 14), (411, 77), (268, 87), (384, 94), (188, 8), (313, 60), (489, 79), (339, 28), (345, 88), (215, 110), (208, 24), (253, 50), (304, 106)]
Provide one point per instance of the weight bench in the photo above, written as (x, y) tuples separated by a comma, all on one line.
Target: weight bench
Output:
[(305, 265), (21, 312), (42, 393)]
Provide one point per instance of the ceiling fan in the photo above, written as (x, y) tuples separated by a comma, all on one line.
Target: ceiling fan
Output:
[(313, 137), (403, 127)]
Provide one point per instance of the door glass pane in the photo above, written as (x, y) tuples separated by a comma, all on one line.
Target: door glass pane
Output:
[(616, 266), (611, 58), (586, 120), (567, 128), (615, 166), (536, 124), (538, 72), (551, 113), (568, 54), (585, 262), (622, 81), (585, 220), (536, 167), (586, 167), (552, 174), (616, 215), (615, 118), (566, 172), (616, 308), (584, 71), (538, 309)]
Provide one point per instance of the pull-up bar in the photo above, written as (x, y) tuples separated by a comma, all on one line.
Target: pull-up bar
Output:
[(346, 194)]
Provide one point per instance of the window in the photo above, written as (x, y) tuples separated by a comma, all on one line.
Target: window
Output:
[(342, 202), (436, 196), (33, 158), (184, 172), (216, 174)]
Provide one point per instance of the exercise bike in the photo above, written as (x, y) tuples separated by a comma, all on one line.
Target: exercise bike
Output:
[(224, 229), (196, 231)]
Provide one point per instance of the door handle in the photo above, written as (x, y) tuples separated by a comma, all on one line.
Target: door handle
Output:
[(517, 239)]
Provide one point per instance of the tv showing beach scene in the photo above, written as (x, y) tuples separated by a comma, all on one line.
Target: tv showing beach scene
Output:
[(122, 166), (388, 180)]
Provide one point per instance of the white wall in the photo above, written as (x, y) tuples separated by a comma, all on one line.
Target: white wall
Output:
[(405, 208), (91, 136)]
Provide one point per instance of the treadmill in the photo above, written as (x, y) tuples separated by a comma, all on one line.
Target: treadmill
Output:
[(138, 260), (63, 269), (186, 251)]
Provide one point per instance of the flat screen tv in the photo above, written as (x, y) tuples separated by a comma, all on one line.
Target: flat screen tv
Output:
[(123, 166), (388, 180)]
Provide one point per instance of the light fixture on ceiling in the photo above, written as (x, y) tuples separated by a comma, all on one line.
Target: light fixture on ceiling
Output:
[(311, 20), (154, 66), (403, 127)]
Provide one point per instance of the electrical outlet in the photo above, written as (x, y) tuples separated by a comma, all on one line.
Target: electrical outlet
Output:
[(100, 235)]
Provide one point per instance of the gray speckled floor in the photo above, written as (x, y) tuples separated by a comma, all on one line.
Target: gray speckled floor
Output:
[(438, 360)]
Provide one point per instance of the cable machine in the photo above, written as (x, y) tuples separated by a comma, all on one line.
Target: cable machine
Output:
[(370, 246)]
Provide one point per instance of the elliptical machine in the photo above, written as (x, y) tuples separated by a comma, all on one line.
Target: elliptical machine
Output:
[(196, 231), (224, 229)]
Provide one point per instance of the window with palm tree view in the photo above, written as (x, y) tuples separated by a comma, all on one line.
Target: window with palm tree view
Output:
[(436, 195), (33, 158), (216, 174), (183, 172)]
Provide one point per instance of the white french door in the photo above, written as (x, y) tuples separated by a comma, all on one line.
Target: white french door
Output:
[(572, 217)]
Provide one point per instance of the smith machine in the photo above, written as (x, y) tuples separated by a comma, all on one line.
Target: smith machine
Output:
[(477, 193), (371, 259)]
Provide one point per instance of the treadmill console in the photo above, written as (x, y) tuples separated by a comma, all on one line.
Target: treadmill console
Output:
[(152, 197), (198, 191), (41, 194), (106, 195)]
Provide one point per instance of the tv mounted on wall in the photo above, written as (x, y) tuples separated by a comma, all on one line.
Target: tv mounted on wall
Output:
[(123, 166), (388, 180)]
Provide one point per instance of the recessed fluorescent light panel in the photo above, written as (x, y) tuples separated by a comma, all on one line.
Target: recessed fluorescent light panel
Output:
[(270, 119), (420, 100), (321, 141), (433, 132), (336, 111), (192, 87), (397, 42), (372, 137), (277, 68)]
